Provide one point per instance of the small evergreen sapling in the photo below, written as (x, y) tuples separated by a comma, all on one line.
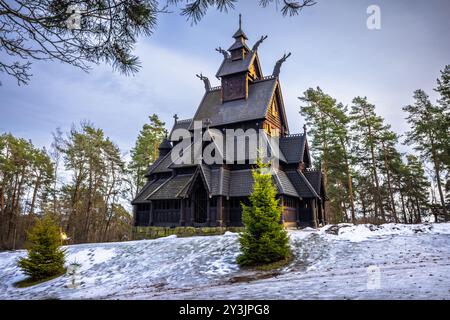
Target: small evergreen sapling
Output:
[(45, 258), (264, 239)]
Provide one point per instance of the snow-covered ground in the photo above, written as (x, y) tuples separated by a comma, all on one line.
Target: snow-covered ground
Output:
[(391, 261)]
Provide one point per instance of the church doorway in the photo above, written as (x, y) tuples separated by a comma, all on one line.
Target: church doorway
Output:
[(200, 200)]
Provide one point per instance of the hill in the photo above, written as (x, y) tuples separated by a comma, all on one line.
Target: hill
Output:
[(391, 261)]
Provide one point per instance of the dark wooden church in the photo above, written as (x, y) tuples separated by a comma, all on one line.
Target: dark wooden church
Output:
[(210, 195)]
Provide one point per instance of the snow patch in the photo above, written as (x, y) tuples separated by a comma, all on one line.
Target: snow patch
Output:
[(89, 257), (364, 232), (330, 262)]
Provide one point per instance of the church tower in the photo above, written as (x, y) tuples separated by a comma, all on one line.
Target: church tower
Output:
[(240, 66)]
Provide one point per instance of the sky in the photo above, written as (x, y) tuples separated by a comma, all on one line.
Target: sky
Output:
[(331, 47)]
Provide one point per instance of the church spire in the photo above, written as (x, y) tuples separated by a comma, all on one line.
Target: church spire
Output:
[(239, 49), (240, 34)]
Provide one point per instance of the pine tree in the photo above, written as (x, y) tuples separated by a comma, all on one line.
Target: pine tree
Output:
[(390, 157), (145, 151), (367, 127), (264, 239), (328, 123), (417, 187), (97, 181), (26, 176), (428, 135), (45, 258), (443, 88), (399, 171)]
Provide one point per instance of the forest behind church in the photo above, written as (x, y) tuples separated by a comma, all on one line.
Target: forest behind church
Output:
[(85, 182)]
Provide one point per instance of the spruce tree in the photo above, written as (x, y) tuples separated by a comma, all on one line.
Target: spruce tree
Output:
[(45, 258), (264, 239)]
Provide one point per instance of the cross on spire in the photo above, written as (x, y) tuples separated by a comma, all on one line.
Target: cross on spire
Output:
[(240, 34), (175, 116)]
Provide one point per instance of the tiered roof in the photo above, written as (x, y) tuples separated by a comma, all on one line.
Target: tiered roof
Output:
[(231, 181)]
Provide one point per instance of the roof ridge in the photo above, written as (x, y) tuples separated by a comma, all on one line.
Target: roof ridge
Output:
[(202, 169), (160, 186), (308, 184), (319, 181), (145, 188), (156, 163), (184, 120), (265, 78), (186, 185), (277, 178), (293, 135)]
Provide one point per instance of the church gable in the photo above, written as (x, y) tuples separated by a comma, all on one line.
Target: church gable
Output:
[(275, 118)]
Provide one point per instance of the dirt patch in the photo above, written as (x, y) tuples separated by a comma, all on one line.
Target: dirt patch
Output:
[(254, 277)]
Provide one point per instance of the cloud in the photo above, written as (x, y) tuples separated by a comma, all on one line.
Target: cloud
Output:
[(60, 95)]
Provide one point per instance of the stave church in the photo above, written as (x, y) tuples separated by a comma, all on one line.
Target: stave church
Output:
[(201, 194)]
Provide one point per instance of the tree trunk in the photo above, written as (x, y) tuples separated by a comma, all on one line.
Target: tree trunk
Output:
[(363, 204), (388, 174), (403, 207), (35, 191), (349, 182), (374, 171), (419, 217), (377, 184), (438, 179)]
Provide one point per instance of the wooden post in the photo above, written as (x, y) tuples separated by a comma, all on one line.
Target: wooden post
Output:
[(134, 215), (150, 215), (227, 212), (192, 212), (220, 220), (208, 211), (315, 213), (182, 213)]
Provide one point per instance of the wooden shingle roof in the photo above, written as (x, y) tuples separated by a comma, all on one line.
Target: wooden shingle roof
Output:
[(301, 184), (253, 108), (229, 66), (293, 147), (147, 190), (315, 179), (172, 188)]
